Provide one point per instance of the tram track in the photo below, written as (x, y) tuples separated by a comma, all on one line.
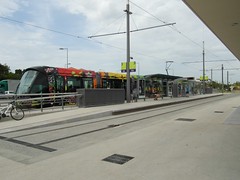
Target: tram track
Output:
[(36, 143), (105, 123)]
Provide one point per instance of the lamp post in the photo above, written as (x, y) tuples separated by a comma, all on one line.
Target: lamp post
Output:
[(67, 54)]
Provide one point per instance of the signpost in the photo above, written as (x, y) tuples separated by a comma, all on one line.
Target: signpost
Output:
[(132, 66)]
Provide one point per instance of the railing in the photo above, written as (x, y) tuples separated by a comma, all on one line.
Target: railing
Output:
[(43, 101)]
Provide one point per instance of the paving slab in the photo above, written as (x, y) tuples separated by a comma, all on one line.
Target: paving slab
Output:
[(54, 115), (199, 150)]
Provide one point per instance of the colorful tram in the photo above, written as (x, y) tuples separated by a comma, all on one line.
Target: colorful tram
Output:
[(44, 79), (110, 80)]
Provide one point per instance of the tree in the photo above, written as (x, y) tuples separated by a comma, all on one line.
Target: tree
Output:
[(6, 74), (4, 71)]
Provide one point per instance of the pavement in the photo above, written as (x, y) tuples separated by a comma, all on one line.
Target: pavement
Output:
[(206, 149), (54, 115)]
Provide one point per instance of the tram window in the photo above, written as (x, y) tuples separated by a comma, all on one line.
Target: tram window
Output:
[(40, 85), (117, 83), (87, 83), (105, 83), (60, 84), (73, 83)]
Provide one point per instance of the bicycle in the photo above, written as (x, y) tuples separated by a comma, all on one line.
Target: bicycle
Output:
[(15, 112)]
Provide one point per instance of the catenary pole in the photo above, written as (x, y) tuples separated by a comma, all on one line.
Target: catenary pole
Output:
[(128, 90), (203, 70), (222, 78), (128, 13)]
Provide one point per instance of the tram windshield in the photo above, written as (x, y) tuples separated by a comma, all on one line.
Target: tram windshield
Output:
[(32, 82)]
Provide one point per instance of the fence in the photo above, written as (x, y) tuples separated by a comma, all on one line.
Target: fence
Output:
[(43, 101)]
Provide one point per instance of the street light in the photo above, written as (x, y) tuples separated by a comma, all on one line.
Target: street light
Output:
[(67, 54)]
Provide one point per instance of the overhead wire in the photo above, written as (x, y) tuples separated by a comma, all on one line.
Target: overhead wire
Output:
[(173, 27), (182, 34), (134, 23), (105, 27), (59, 32), (40, 27), (77, 36), (99, 42)]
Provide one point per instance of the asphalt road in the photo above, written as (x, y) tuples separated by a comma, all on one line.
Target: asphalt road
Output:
[(187, 141)]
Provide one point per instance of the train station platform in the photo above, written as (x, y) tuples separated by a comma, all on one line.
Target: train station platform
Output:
[(54, 145), (50, 115)]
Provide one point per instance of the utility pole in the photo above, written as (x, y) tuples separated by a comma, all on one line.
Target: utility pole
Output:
[(227, 79), (222, 78), (211, 75), (203, 69), (128, 90)]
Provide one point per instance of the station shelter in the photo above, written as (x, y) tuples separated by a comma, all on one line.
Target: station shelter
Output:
[(159, 84), (187, 86)]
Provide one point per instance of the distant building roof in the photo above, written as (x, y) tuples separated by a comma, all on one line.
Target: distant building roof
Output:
[(162, 76)]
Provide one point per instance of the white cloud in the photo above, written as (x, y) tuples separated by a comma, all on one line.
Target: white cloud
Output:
[(29, 46), (92, 10), (8, 7)]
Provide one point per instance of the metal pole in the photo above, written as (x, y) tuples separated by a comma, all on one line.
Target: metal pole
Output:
[(211, 75), (67, 57), (227, 79), (128, 54), (67, 54), (203, 69), (62, 98), (41, 103), (168, 66), (138, 81), (222, 78)]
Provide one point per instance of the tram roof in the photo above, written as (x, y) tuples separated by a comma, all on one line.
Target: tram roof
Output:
[(162, 76)]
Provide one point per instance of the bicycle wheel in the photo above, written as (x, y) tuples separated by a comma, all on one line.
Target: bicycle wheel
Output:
[(17, 113)]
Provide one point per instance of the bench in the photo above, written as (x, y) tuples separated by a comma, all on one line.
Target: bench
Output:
[(142, 97), (135, 98)]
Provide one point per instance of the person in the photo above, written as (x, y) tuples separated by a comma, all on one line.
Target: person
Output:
[(156, 96)]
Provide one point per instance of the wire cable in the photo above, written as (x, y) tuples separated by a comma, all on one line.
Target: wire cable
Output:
[(174, 28), (36, 26)]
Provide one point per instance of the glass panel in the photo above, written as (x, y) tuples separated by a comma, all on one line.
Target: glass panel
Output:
[(87, 83), (105, 83), (40, 84), (73, 83), (60, 84), (26, 81)]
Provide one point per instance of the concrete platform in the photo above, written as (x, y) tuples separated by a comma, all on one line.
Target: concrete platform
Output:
[(206, 149), (54, 115)]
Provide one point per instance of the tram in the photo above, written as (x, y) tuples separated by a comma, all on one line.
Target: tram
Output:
[(44, 79)]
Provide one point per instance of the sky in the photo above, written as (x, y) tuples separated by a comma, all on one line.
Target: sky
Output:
[(32, 31)]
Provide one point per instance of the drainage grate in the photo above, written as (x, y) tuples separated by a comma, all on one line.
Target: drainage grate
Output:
[(118, 159), (185, 119), (218, 111)]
